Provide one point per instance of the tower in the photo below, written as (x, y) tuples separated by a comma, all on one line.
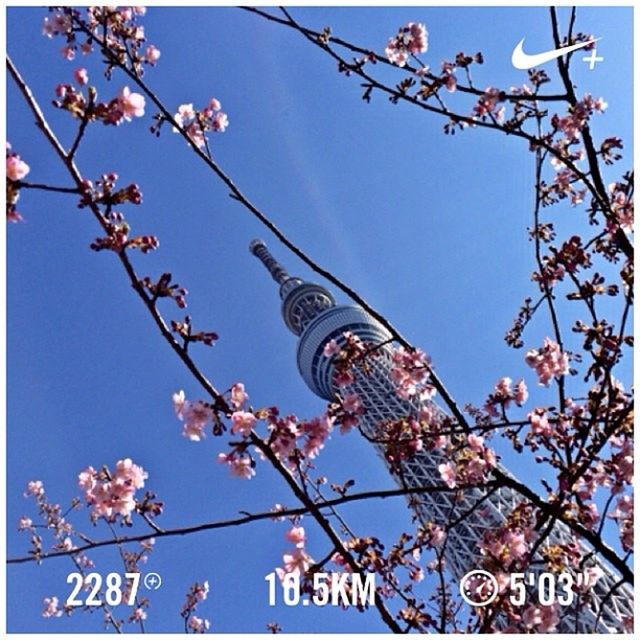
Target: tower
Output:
[(311, 313)]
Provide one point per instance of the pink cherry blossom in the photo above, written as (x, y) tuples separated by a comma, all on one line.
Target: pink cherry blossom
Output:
[(548, 361), (448, 474), (332, 348), (152, 54), (35, 488), (196, 135), (138, 614), (81, 75), (239, 465), (540, 424), (352, 403), (344, 378), (195, 415), (185, 114), (541, 619), (242, 422), (220, 122), (521, 393), (476, 443), (56, 24), (25, 523), (410, 40), (113, 494), (131, 104), (296, 562), (199, 625), (16, 168), (296, 535), (238, 395), (410, 374), (316, 432), (51, 608)]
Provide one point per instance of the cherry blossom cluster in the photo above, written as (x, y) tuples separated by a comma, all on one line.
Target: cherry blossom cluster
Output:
[(297, 561), (402, 440), (112, 494), (196, 416), (507, 546), (549, 361), (568, 259), (114, 28), (347, 411), (504, 394), (470, 464), (290, 439), (410, 374), (122, 108), (620, 194), (17, 169), (488, 105), (410, 40), (577, 117), (623, 515), (351, 353), (197, 123), (53, 521), (105, 193), (448, 78), (197, 593)]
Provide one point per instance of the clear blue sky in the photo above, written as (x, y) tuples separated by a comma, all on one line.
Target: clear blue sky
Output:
[(430, 229)]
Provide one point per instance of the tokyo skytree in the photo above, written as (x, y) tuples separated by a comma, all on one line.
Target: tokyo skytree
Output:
[(311, 313)]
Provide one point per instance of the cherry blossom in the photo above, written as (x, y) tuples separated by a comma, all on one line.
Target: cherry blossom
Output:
[(448, 474), (240, 466), (113, 494), (197, 123), (152, 54), (332, 348), (623, 514), (410, 40), (17, 168), (35, 488), (81, 75), (316, 432), (410, 374), (56, 24), (540, 618), (296, 562), (540, 424), (504, 394), (51, 608), (548, 361), (131, 104), (195, 415), (238, 395), (199, 625), (242, 422), (296, 535)]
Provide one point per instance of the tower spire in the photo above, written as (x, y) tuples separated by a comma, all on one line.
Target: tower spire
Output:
[(277, 271), (301, 301)]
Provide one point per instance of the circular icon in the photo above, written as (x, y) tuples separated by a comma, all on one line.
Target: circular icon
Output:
[(479, 588), (152, 581)]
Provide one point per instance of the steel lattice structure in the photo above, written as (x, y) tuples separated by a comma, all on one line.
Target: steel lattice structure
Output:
[(310, 312)]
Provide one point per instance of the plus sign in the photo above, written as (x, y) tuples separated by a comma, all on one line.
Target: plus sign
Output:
[(153, 580), (592, 59)]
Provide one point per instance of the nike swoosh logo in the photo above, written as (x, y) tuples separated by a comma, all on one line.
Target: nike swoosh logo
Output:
[(522, 60)]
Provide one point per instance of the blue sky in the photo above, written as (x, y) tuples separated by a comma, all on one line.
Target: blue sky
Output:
[(430, 229)]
